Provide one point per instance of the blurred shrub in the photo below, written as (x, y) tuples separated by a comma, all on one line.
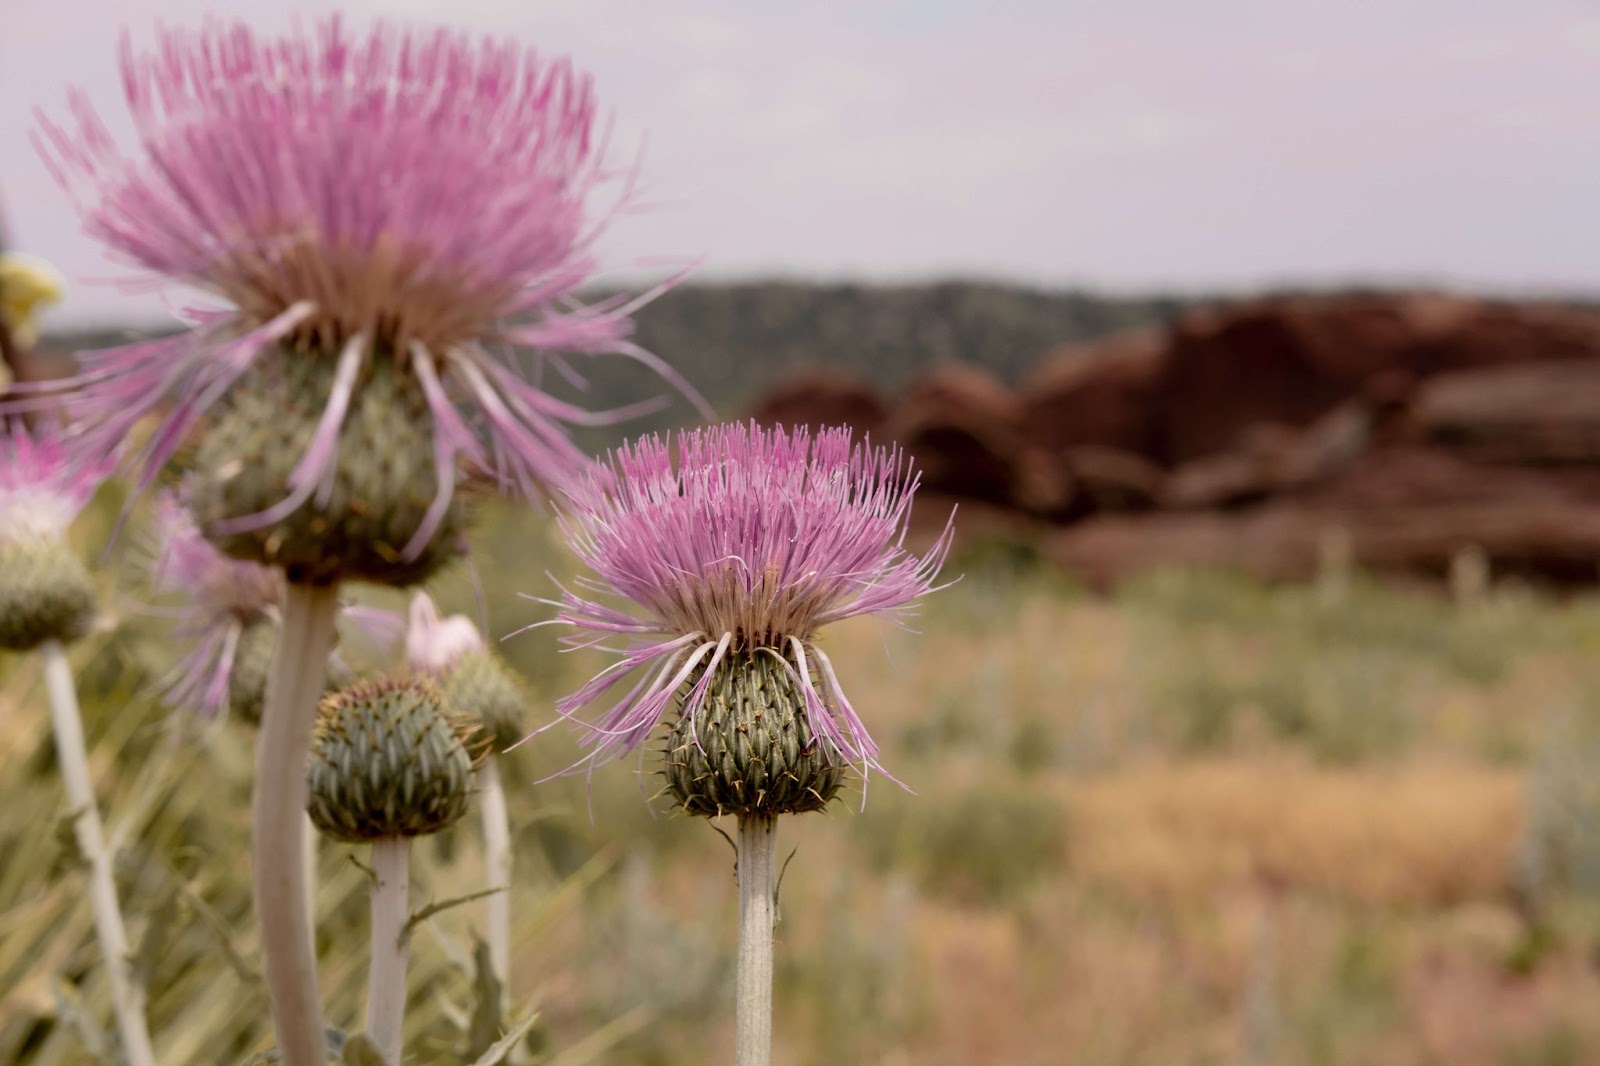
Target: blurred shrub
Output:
[(985, 842)]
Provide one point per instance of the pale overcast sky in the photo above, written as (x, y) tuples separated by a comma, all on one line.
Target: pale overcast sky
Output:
[(1137, 144)]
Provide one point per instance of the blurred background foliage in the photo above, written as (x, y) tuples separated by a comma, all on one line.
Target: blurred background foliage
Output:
[(1199, 821)]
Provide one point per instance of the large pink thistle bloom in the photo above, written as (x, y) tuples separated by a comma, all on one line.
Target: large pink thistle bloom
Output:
[(416, 196), (750, 543), (44, 483)]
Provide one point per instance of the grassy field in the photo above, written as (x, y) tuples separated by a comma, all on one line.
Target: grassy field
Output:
[(1200, 822)]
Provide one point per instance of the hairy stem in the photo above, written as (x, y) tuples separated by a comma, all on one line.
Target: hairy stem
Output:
[(299, 671), (497, 860), (757, 841), (127, 997), (386, 976)]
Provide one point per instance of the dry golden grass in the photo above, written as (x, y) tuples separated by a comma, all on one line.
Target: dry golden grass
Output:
[(1432, 834)]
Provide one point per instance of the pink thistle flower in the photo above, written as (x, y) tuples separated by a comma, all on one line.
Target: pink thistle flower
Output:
[(749, 544), (435, 644), (218, 602), (220, 598), (409, 196), (46, 594), (44, 483)]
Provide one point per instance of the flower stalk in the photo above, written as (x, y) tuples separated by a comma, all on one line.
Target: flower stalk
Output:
[(479, 683), (299, 673), (497, 868), (391, 950), (390, 760), (757, 845), (127, 997)]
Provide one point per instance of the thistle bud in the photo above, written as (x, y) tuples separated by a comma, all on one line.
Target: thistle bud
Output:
[(481, 684), (748, 748), (252, 662), (390, 759), (383, 474), (46, 594)]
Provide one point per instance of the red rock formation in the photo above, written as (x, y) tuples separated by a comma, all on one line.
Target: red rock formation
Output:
[(1534, 413), (1558, 542), (1402, 430), (823, 398), (960, 425), (1286, 362), (1099, 395)]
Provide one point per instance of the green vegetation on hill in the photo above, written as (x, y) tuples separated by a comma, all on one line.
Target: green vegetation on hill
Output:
[(733, 341)]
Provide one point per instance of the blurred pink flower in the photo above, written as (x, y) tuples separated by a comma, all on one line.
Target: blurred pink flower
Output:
[(435, 644), (44, 482), (216, 599)]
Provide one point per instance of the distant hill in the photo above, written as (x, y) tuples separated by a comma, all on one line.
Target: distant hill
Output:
[(742, 336), (733, 341)]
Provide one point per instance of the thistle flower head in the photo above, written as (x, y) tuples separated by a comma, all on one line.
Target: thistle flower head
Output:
[(227, 612), (434, 644), (473, 678), (742, 548), (215, 588), (45, 593), (44, 483), (395, 213)]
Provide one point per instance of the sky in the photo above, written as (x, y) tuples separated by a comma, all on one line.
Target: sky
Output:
[(1132, 146)]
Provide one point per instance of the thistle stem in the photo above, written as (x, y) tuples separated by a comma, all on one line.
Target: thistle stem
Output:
[(309, 846), (127, 997), (497, 862), (299, 671), (386, 977), (757, 841)]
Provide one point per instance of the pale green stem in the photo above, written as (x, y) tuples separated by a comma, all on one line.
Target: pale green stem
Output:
[(497, 862), (127, 997), (299, 672), (386, 975), (311, 839), (757, 842)]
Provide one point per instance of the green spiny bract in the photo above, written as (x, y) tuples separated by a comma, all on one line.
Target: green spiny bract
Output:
[(390, 758), (384, 477), (46, 593), (481, 684), (749, 749)]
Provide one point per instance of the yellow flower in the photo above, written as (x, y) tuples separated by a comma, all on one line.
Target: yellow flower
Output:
[(26, 284)]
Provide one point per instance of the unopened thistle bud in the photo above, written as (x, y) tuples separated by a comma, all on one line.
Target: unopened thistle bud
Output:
[(474, 679), (483, 685), (390, 758), (748, 749)]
